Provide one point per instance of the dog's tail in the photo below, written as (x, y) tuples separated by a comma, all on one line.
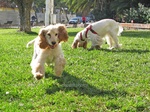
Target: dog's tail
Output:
[(120, 30), (30, 43)]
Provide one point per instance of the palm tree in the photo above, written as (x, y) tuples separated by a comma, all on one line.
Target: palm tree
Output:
[(120, 5), (83, 6), (104, 8)]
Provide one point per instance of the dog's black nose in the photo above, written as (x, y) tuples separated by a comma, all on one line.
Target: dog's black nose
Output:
[(53, 43)]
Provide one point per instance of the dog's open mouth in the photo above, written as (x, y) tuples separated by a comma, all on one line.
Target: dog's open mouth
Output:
[(52, 46)]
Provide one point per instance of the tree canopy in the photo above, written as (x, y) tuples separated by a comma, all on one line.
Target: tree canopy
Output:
[(106, 8)]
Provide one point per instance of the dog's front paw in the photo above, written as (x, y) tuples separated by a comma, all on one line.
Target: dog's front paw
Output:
[(92, 48), (97, 47), (38, 76)]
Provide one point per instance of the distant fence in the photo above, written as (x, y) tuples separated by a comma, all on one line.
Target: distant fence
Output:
[(124, 25), (135, 26)]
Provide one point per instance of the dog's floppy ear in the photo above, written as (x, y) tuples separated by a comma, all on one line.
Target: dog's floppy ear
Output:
[(74, 44), (63, 34), (85, 45), (43, 43)]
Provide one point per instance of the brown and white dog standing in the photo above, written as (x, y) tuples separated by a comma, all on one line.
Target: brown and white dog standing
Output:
[(96, 32)]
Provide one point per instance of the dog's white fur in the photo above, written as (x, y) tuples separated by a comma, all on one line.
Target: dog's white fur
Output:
[(106, 28), (47, 49)]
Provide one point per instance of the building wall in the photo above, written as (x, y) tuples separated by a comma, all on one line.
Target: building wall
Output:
[(41, 17), (9, 14)]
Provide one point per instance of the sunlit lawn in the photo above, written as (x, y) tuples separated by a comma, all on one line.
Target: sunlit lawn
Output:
[(97, 80)]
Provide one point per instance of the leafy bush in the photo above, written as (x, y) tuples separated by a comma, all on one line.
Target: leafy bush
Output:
[(138, 15)]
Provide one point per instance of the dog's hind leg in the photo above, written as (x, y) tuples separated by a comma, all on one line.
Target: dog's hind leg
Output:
[(115, 39), (109, 41), (85, 45)]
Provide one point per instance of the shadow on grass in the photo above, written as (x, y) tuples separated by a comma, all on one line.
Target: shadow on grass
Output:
[(69, 83), (126, 50), (33, 33), (72, 34)]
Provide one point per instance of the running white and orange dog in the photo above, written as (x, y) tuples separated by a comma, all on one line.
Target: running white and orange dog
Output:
[(96, 32), (47, 49)]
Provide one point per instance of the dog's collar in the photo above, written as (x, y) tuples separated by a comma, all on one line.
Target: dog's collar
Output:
[(89, 28), (81, 37)]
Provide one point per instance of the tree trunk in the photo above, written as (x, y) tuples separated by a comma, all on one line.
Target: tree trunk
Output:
[(24, 7), (67, 17), (86, 10), (65, 12), (28, 15)]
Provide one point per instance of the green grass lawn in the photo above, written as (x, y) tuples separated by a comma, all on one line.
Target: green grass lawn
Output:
[(97, 80)]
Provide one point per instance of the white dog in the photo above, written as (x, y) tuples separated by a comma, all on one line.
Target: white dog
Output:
[(96, 32), (47, 49)]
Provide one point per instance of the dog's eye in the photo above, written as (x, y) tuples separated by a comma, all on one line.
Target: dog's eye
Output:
[(56, 34), (49, 34)]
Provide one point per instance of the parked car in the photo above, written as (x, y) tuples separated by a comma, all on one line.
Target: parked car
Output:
[(89, 19), (75, 20), (78, 20)]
